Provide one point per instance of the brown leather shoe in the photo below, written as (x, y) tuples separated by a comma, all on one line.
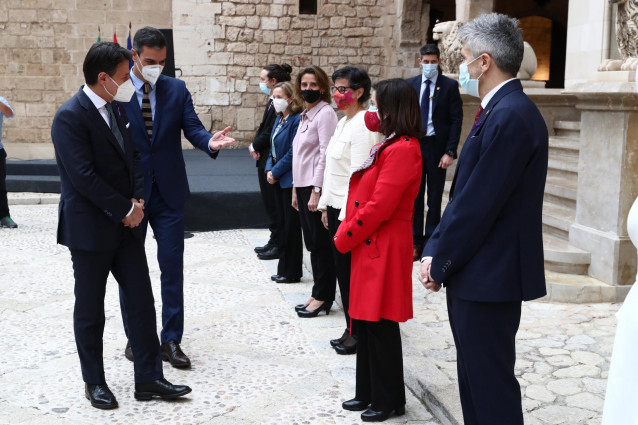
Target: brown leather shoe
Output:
[(128, 351), (171, 352)]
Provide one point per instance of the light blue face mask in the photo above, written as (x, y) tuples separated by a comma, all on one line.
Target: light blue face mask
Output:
[(430, 70), (469, 84), (264, 88)]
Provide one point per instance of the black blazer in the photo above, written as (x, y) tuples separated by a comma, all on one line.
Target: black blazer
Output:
[(261, 143), (447, 113), (489, 244), (98, 179)]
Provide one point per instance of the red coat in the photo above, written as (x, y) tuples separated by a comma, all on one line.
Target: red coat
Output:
[(378, 231)]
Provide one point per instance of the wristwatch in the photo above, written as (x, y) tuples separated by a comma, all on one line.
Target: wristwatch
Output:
[(451, 153), (317, 189)]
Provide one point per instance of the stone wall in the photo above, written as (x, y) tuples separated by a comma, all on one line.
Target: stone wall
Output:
[(42, 47)]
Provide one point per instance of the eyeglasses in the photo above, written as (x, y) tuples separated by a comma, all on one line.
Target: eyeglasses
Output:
[(340, 89)]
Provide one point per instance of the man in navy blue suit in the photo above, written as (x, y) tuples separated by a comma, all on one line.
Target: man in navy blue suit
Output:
[(101, 207), (442, 116), (488, 248), (160, 110)]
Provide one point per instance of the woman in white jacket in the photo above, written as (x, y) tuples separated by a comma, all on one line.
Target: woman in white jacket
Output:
[(348, 149)]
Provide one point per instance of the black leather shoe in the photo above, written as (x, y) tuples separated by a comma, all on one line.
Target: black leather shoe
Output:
[(260, 249), (355, 405), (271, 254), (335, 342), (300, 307), (100, 396), (348, 346), (128, 351), (171, 352), (161, 389), (8, 222), (275, 277), (314, 313), (380, 415), (284, 279)]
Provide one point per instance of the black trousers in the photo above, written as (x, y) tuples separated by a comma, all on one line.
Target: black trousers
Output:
[(291, 257), (432, 178), (484, 335), (4, 203), (128, 265), (342, 263), (318, 242), (380, 365), (268, 195)]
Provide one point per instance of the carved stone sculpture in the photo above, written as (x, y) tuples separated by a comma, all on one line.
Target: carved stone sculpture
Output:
[(529, 64), (626, 36), (446, 35)]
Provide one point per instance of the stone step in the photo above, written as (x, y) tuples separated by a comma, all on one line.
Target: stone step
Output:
[(557, 219), (567, 128), (564, 143), (562, 257), (562, 163), (579, 289), (561, 190)]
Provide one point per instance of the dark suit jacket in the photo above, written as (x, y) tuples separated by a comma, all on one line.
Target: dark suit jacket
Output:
[(282, 169), (489, 244), (98, 179), (447, 113), (163, 157), (261, 143)]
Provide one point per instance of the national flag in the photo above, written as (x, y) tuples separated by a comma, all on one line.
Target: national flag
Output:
[(98, 34), (129, 45), (115, 38)]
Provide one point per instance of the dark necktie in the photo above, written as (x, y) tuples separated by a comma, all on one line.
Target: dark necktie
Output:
[(114, 127), (147, 113), (425, 106), (478, 114)]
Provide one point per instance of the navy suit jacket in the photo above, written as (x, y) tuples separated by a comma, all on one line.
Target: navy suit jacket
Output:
[(97, 178), (261, 143), (282, 169), (447, 113), (162, 156), (489, 244)]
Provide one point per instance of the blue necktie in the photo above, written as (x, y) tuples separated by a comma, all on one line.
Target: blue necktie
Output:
[(425, 105)]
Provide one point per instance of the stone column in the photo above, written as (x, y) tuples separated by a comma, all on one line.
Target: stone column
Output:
[(607, 177), (466, 10)]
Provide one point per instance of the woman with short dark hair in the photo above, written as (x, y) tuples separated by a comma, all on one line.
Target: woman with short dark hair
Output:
[(349, 146), (377, 230)]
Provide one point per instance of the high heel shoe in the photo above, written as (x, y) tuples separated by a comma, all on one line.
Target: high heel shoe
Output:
[(300, 307), (314, 313), (355, 405), (348, 346), (381, 415), (335, 342)]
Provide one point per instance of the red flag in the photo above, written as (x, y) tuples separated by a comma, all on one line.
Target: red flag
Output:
[(115, 38)]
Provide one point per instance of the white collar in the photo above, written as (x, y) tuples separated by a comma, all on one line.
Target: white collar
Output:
[(490, 95), (97, 100), (431, 79)]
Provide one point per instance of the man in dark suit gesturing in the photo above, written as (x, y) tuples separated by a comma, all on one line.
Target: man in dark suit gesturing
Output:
[(442, 116), (160, 110), (488, 248), (101, 206)]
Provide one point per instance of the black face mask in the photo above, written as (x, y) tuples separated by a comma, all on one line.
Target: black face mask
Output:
[(310, 96)]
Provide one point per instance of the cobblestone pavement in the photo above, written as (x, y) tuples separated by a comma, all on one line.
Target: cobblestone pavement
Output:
[(254, 360)]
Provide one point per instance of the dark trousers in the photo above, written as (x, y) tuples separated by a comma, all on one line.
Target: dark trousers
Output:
[(380, 365), (432, 178), (342, 263), (128, 265), (4, 203), (318, 242), (168, 228), (291, 257), (484, 335), (269, 196)]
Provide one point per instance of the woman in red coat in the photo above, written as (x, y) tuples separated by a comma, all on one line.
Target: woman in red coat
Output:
[(378, 231)]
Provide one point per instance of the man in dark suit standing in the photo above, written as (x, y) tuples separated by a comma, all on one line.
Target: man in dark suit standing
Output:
[(101, 206), (442, 116), (160, 110), (488, 248)]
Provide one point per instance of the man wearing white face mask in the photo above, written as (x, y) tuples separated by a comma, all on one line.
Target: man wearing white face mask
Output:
[(442, 116), (101, 208), (488, 248), (160, 110)]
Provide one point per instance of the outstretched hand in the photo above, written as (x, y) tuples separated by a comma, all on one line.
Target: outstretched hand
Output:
[(219, 139)]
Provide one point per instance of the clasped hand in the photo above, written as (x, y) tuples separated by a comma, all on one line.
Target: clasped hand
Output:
[(137, 215), (426, 278)]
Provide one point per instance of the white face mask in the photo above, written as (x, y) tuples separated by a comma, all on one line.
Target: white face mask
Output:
[(469, 84), (429, 70), (150, 72), (124, 92), (280, 105)]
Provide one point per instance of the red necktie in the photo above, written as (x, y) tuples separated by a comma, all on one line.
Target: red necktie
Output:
[(478, 114)]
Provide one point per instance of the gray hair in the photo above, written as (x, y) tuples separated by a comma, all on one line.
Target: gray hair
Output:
[(497, 35)]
